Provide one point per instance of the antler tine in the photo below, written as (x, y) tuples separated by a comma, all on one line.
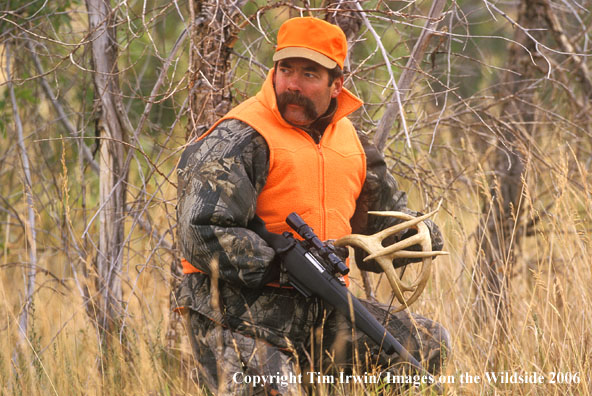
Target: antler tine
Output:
[(405, 243), (422, 238), (408, 254), (421, 235), (397, 214), (400, 215)]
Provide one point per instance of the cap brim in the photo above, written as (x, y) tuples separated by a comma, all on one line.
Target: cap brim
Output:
[(306, 53)]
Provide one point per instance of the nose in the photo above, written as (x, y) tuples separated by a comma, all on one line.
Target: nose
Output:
[(293, 84)]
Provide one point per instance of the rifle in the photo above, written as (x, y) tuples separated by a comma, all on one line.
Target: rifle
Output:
[(322, 278)]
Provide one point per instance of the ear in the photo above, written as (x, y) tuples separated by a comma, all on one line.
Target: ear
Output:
[(336, 87)]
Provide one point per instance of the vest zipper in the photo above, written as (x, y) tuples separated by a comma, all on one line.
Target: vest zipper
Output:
[(323, 230)]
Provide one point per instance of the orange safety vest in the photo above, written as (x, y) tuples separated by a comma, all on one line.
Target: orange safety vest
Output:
[(321, 182)]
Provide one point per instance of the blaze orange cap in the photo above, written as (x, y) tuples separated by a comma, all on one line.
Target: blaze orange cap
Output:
[(311, 38)]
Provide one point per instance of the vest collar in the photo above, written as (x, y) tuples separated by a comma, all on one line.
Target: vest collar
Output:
[(347, 102)]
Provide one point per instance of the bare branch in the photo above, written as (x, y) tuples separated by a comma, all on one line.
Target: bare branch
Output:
[(568, 48), (31, 229), (407, 77), (386, 122)]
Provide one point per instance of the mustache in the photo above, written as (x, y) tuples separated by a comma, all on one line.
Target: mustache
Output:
[(286, 98)]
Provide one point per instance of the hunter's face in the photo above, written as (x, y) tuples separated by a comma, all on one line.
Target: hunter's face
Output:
[(303, 91)]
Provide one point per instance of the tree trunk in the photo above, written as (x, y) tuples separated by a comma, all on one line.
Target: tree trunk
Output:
[(498, 232), (113, 175), (213, 33), (31, 230)]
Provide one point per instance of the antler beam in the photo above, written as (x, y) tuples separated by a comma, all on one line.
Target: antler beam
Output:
[(373, 245)]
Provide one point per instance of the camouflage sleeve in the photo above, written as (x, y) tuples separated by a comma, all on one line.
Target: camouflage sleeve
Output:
[(381, 192), (219, 179)]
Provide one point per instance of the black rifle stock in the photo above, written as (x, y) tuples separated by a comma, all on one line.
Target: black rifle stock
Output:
[(319, 278)]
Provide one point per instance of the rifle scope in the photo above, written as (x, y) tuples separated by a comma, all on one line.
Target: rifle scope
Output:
[(326, 251)]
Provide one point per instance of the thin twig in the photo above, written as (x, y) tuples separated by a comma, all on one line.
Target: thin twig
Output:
[(387, 119), (63, 118), (406, 79)]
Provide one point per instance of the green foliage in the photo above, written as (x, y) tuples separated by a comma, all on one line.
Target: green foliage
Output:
[(26, 94), (34, 11), (3, 119)]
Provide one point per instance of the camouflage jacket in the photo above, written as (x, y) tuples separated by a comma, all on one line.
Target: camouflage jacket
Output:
[(219, 179)]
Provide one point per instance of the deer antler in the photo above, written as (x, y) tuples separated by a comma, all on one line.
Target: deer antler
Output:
[(384, 256)]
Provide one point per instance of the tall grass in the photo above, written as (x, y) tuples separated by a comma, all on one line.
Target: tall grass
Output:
[(546, 330)]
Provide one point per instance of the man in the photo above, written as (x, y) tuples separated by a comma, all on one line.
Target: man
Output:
[(288, 149)]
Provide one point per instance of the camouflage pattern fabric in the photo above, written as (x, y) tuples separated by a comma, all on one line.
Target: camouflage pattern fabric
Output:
[(225, 357), (219, 180), (227, 360)]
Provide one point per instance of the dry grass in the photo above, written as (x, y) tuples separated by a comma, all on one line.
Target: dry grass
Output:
[(546, 331)]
